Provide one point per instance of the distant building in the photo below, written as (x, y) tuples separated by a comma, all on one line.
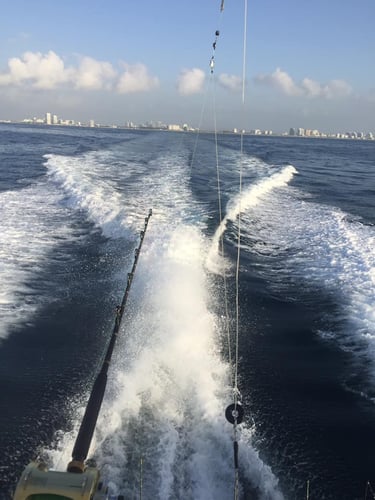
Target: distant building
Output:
[(175, 128), (55, 120), (66, 122), (91, 123), (48, 119)]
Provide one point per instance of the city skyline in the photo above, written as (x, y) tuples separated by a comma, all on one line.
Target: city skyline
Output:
[(52, 119), (308, 63)]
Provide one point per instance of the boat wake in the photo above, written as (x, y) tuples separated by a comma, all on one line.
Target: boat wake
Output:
[(318, 251), (164, 408)]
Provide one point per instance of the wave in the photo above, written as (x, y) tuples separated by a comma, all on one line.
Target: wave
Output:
[(318, 247), (115, 193), (87, 189), (248, 199), (31, 226)]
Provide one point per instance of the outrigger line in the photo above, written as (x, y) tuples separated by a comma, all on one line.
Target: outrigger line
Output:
[(217, 34), (234, 413), (212, 60)]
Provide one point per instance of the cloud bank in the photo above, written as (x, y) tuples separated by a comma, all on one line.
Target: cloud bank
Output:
[(48, 71), (136, 79), (230, 82), (190, 81), (306, 88)]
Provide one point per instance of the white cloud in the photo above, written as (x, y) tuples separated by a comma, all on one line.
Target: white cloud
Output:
[(231, 82), (93, 74), (336, 88), (136, 79), (308, 88), (311, 87), (190, 81), (41, 71), (281, 80), (48, 71)]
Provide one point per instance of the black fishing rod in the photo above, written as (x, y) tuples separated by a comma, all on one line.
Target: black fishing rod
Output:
[(86, 431), (80, 482)]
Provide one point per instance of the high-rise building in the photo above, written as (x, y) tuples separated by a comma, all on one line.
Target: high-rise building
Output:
[(48, 119), (55, 121)]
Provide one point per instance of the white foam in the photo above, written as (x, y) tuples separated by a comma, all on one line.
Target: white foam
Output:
[(250, 197), (88, 189), (31, 224), (91, 183), (320, 247), (171, 395)]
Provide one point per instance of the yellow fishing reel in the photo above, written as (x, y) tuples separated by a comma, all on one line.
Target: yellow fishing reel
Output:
[(39, 483)]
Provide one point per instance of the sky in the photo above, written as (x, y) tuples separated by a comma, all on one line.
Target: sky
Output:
[(308, 64)]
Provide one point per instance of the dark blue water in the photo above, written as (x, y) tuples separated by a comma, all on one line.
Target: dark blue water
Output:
[(73, 202)]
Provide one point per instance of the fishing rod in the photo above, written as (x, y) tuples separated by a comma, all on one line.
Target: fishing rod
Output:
[(80, 481)]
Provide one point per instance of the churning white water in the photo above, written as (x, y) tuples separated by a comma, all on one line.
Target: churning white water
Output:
[(169, 387)]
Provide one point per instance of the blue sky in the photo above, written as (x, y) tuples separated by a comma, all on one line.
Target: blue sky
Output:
[(309, 63)]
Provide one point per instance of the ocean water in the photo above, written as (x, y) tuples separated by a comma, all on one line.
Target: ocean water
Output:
[(72, 204)]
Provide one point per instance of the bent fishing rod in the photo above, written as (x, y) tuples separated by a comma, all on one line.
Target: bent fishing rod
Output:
[(80, 481)]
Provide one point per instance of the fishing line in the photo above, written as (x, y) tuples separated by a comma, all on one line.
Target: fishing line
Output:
[(221, 241), (87, 427), (240, 197), (212, 82), (209, 83), (369, 490), (234, 412)]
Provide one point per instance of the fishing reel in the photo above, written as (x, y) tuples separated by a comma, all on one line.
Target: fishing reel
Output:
[(40, 483)]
